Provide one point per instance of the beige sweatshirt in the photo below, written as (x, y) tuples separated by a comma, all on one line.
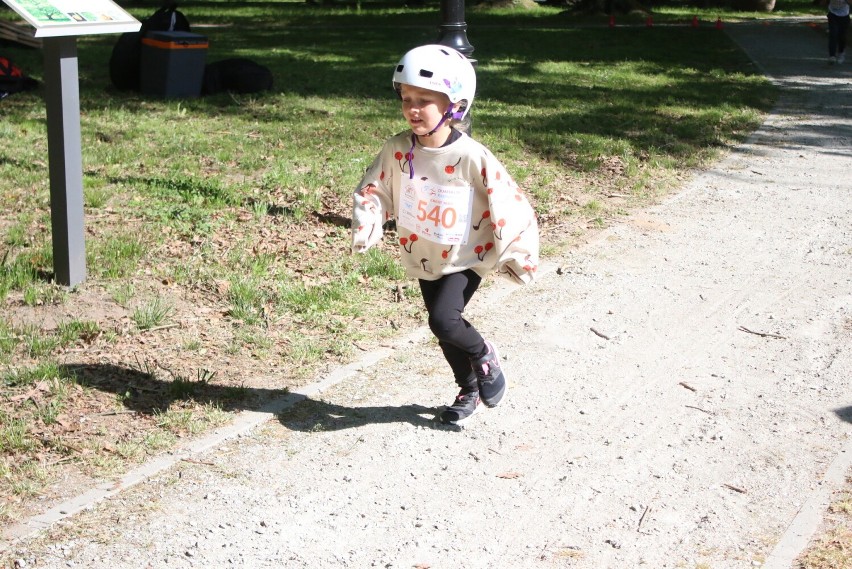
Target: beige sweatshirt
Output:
[(459, 210)]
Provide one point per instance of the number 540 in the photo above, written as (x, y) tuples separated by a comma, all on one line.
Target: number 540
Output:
[(446, 217)]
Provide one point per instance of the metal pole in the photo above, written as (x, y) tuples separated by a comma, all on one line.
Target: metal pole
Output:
[(62, 98), (453, 33), (453, 29)]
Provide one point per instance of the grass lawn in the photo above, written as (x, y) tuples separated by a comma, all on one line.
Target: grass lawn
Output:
[(216, 228)]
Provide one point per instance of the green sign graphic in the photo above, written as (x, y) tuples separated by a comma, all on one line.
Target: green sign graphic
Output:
[(74, 17)]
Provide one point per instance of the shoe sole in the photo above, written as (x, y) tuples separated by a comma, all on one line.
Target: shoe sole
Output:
[(461, 422)]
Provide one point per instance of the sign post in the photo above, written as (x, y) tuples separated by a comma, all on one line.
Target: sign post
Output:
[(60, 22), (65, 160)]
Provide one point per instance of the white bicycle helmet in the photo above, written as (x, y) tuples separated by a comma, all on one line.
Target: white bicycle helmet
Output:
[(439, 68)]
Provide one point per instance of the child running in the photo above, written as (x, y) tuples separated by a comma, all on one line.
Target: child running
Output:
[(459, 216)]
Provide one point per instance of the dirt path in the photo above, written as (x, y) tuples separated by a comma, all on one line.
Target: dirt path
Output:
[(680, 395)]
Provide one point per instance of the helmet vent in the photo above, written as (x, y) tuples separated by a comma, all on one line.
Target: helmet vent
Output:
[(426, 73), (399, 68)]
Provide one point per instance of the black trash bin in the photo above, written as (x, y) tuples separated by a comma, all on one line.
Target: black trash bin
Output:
[(172, 64)]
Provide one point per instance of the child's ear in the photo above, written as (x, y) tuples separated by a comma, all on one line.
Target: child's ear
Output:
[(456, 109)]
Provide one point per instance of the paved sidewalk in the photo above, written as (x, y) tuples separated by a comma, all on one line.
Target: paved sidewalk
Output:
[(784, 51), (680, 396)]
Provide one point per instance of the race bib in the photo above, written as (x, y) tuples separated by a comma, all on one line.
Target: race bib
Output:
[(438, 213)]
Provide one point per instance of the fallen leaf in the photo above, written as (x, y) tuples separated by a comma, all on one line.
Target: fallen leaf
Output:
[(22, 397), (509, 475)]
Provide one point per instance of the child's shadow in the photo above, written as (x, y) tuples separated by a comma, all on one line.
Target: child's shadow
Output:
[(148, 393), (311, 415), (844, 413)]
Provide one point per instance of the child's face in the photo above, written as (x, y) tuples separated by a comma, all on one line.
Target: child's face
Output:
[(423, 108)]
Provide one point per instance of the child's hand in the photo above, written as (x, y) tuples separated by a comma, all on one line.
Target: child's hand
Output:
[(366, 219)]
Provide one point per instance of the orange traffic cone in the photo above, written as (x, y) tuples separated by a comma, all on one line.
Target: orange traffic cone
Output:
[(649, 22), (695, 21), (718, 23), (612, 21)]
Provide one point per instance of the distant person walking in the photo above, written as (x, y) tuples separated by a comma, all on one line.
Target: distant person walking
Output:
[(838, 25)]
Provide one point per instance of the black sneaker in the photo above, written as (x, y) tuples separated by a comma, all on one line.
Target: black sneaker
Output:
[(463, 408), (489, 377)]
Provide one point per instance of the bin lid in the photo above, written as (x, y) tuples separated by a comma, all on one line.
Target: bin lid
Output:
[(174, 39)]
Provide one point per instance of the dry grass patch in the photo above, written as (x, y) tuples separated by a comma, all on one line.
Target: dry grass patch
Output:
[(832, 548)]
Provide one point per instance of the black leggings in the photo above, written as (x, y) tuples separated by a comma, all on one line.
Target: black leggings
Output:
[(445, 301), (837, 26)]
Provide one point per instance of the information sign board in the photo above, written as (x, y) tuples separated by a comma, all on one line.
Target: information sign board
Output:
[(60, 22), (55, 18)]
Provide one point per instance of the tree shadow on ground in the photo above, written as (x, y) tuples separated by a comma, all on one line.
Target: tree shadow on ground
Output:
[(331, 60), (145, 391)]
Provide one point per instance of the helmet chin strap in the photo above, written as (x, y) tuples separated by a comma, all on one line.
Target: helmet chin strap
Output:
[(447, 115)]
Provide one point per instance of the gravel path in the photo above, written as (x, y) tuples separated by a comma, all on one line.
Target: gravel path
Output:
[(679, 395)]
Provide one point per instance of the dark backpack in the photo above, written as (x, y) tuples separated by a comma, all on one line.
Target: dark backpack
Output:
[(12, 79), (237, 75), (166, 19), (127, 51)]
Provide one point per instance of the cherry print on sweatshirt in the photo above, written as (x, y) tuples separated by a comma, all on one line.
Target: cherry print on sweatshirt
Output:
[(451, 168), (507, 270), (409, 241), (501, 223), (528, 266), (367, 190), (370, 234), (484, 175), (446, 252), (402, 159), (481, 250), (518, 238), (485, 215)]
